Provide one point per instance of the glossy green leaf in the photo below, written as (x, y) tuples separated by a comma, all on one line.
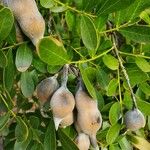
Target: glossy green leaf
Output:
[(111, 62), (6, 22), (4, 120), (3, 59), (113, 133), (50, 137), (142, 64), (58, 9), (114, 113), (23, 58), (64, 139), (21, 130), (27, 84), (9, 71), (52, 51), (136, 33), (112, 87), (88, 33)]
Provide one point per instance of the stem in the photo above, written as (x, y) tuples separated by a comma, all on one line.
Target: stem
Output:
[(15, 45), (94, 58), (64, 78), (125, 74), (135, 55)]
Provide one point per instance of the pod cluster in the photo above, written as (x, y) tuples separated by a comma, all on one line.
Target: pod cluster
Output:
[(28, 19), (87, 118)]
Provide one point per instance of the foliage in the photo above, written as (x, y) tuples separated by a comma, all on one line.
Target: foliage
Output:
[(78, 32)]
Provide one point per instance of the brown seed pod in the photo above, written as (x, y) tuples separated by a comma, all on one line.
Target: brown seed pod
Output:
[(67, 121), (46, 88), (134, 119), (82, 141), (29, 18), (62, 102), (89, 118)]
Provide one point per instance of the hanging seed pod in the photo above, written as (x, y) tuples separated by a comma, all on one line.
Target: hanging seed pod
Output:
[(89, 118), (29, 18), (46, 88), (134, 119), (62, 102), (83, 141), (67, 121)]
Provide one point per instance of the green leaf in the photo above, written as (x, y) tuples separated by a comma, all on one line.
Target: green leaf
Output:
[(113, 133), (87, 82), (47, 3), (23, 58), (27, 84), (58, 9), (142, 64), (109, 6), (3, 59), (34, 121), (88, 33), (125, 144), (64, 139), (114, 147), (6, 22), (50, 137), (114, 113), (136, 76), (144, 107), (52, 51), (70, 20), (23, 145), (21, 130), (9, 71), (111, 62), (4, 120), (133, 10), (136, 33), (145, 87), (102, 78), (112, 87)]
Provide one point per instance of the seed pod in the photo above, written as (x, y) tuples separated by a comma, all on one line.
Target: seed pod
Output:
[(83, 141), (29, 18), (134, 119), (62, 102), (89, 118), (68, 120), (46, 88)]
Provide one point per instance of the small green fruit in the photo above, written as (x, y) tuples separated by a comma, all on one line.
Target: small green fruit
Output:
[(134, 119)]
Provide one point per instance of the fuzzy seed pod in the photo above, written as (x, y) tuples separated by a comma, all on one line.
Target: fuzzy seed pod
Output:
[(67, 121), (62, 102), (83, 141), (134, 119), (29, 18), (46, 88), (89, 118)]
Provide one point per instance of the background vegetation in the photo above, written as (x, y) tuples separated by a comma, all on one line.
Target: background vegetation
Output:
[(97, 36)]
